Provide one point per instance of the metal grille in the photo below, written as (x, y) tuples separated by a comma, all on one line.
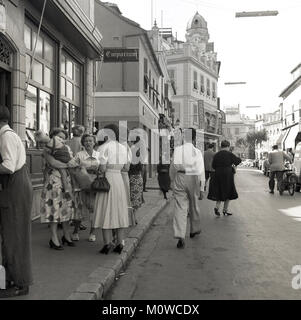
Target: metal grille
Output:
[(5, 53)]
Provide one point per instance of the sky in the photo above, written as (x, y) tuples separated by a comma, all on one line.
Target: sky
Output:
[(261, 51)]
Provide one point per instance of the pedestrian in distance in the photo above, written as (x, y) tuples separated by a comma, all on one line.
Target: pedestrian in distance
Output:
[(16, 196), (276, 160), (208, 158), (222, 187), (187, 174), (163, 178)]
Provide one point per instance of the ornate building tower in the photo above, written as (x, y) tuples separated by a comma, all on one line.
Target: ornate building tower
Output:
[(194, 69)]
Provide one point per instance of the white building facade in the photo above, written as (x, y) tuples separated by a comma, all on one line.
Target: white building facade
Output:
[(194, 69)]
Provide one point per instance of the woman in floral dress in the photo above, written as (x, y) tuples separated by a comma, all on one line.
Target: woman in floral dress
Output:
[(57, 205)]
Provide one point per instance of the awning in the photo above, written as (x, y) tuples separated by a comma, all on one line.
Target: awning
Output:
[(290, 140)]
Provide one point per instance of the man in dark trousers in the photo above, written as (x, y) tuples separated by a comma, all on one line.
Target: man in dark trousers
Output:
[(15, 211), (276, 161), (208, 158)]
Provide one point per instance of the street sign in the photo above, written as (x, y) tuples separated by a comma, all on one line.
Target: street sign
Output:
[(121, 55)]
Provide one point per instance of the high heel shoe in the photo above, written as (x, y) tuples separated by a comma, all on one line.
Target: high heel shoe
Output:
[(106, 249), (119, 248), (69, 243), (52, 245), (226, 213), (216, 212)]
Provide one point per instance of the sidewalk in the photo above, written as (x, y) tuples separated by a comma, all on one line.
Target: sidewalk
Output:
[(82, 272)]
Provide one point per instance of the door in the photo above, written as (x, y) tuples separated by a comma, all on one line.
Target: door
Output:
[(5, 88)]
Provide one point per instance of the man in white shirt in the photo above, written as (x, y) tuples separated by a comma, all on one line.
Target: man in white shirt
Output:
[(15, 210), (187, 174)]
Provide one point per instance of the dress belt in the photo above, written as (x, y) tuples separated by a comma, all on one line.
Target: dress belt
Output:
[(113, 171)]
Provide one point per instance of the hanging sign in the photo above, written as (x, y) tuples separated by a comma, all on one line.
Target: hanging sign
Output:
[(121, 55)]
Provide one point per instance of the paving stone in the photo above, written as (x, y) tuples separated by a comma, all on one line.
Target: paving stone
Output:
[(95, 288)]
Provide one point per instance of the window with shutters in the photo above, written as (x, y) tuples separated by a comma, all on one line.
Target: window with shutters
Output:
[(195, 80), (145, 78), (208, 88), (202, 87)]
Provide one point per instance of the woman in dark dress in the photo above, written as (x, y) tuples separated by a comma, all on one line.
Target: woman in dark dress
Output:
[(163, 175), (222, 186)]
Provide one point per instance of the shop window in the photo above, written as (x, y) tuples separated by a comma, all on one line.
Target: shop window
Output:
[(37, 115), (43, 65), (71, 92), (27, 37), (69, 115), (37, 72)]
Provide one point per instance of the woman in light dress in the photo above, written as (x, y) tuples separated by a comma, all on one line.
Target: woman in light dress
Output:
[(89, 159), (111, 208)]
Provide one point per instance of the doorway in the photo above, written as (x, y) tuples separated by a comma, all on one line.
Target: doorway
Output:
[(5, 88)]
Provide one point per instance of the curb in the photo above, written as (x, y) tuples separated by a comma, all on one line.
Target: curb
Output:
[(101, 280)]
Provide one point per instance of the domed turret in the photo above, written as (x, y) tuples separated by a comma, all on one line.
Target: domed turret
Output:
[(197, 21), (197, 31)]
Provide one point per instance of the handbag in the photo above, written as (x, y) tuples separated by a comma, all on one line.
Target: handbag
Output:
[(100, 184)]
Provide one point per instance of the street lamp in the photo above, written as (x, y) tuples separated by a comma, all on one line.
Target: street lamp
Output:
[(234, 83), (245, 14)]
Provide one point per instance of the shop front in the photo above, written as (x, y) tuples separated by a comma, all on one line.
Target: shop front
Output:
[(46, 72), (290, 140)]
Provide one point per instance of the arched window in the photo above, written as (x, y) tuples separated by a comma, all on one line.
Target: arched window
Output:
[(5, 53)]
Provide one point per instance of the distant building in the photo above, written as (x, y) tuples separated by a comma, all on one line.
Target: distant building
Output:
[(137, 91), (194, 70), (237, 126)]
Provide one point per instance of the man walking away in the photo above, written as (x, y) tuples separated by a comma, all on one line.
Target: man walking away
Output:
[(276, 161), (208, 158), (187, 174), (15, 210)]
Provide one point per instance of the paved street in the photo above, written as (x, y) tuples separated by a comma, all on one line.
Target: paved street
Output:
[(247, 256), (58, 273)]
